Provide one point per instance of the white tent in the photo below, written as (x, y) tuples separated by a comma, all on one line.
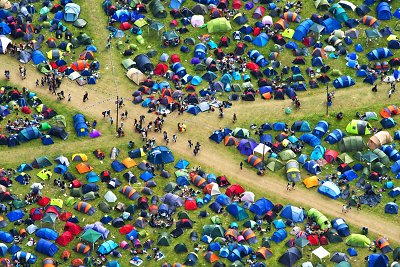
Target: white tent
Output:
[(321, 253), (215, 190), (261, 149), (4, 42), (31, 229), (295, 230), (110, 197), (307, 264), (136, 75), (203, 106), (62, 160), (74, 75), (248, 197), (267, 20), (347, 4), (197, 21)]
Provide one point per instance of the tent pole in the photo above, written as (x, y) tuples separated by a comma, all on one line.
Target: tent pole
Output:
[(116, 124), (327, 102)]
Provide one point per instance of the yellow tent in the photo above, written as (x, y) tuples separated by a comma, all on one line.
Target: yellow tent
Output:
[(129, 163), (392, 37), (79, 157), (57, 202), (311, 181), (44, 174), (288, 33)]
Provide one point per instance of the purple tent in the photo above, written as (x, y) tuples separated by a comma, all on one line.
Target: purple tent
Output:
[(172, 200), (94, 134), (249, 5), (195, 61), (246, 146), (98, 227)]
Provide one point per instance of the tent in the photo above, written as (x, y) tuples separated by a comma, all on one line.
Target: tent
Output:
[(143, 62), (29, 133), (334, 136), (261, 206), (311, 181), (46, 247), (293, 213), (136, 75), (343, 82), (302, 29), (358, 127), (160, 155), (85, 208), (339, 13), (379, 139), (291, 256), (301, 126), (358, 240), (129, 192), (293, 171), (80, 125), (237, 211), (107, 247), (319, 218), (341, 227), (379, 53), (218, 25), (391, 208), (47, 233), (157, 9), (330, 189), (320, 129), (383, 11)]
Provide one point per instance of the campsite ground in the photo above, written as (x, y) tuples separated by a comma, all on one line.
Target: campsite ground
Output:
[(213, 157)]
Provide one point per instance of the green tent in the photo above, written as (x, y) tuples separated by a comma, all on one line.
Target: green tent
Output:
[(142, 233), (104, 207), (219, 25), (91, 236), (84, 39), (339, 13), (237, 263), (371, 116), (274, 164), (183, 215), (343, 264), (351, 143), (170, 187), (157, 9), (76, 192), (359, 127), (213, 230), (182, 172), (287, 154), (345, 158), (322, 4), (18, 203), (180, 248), (250, 224), (44, 67), (44, 126), (358, 240), (128, 63), (164, 240), (215, 219), (89, 196), (380, 168), (58, 120), (70, 201), (319, 218), (383, 158), (241, 133), (80, 23)]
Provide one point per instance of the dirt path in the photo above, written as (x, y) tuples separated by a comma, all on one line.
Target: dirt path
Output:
[(215, 158)]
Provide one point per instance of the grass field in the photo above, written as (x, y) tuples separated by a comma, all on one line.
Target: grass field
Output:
[(199, 128)]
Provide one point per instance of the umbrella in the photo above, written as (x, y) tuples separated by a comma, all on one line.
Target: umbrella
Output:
[(91, 236), (157, 26)]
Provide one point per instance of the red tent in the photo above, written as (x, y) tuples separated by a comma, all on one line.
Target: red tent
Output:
[(331, 155), (190, 204), (64, 239), (314, 240), (73, 228), (36, 214), (234, 190), (52, 209), (26, 110), (44, 201), (237, 4), (175, 58), (160, 69), (125, 26), (76, 183), (252, 66), (65, 216), (126, 229)]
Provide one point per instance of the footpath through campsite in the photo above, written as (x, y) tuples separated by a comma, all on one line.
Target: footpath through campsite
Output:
[(214, 158)]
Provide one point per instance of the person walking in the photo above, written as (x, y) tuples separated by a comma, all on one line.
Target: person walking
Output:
[(293, 185), (174, 138), (190, 144), (111, 120), (241, 165), (288, 187), (86, 96), (234, 119)]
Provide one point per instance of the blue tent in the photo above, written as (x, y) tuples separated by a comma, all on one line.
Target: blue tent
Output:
[(196, 80), (383, 11), (394, 192), (246, 146), (217, 136), (378, 260), (261, 206), (339, 13), (160, 155), (193, 110), (391, 208), (291, 45), (15, 215), (310, 139), (24, 257), (279, 235), (394, 44), (4, 29), (107, 247), (178, 69), (370, 79), (13, 249), (352, 252), (200, 51), (47, 233), (121, 15), (330, 25), (349, 175), (301, 126), (279, 224), (182, 164), (318, 152), (61, 169), (29, 133), (113, 263), (302, 30), (329, 189), (293, 213), (226, 78), (379, 53), (312, 167), (118, 166), (46, 247), (343, 82), (6, 237), (80, 125), (223, 199), (237, 211), (146, 176), (38, 57), (182, 180), (92, 177), (320, 129), (341, 227), (359, 48), (258, 58), (388, 123), (266, 139), (24, 167), (261, 40), (216, 207), (396, 14), (334, 136), (278, 126), (71, 12)]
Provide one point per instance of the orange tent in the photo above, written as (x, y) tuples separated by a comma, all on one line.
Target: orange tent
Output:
[(210, 257), (311, 181), (48, 262), (79, 65), (77, 262), (83, 167), (129, 163), (389, 111)]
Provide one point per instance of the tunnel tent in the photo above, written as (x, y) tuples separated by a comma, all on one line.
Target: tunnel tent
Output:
[(143, 63), (219, 25), (383, 11), (157, 9)]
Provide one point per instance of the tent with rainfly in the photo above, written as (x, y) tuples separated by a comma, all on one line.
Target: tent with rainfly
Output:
[(358, 240), (46, 247), (319, 218), (85, 208), (329, 189), (219, 25), (379, 53), (343, 82)]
